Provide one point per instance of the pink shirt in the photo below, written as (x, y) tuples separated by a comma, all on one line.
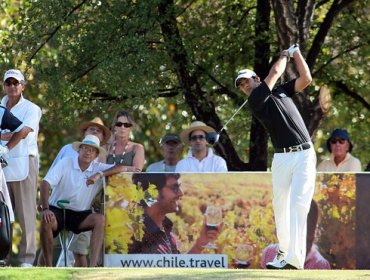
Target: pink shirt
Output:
[(314, 260)]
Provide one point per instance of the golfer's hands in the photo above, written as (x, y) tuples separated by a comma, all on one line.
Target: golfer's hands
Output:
[(292, 49)]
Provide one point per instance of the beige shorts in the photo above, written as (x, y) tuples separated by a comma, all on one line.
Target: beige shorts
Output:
[(81, 243)]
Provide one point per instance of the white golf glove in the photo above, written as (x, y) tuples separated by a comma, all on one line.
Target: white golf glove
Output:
[(4, 157), (293, 48), (4, 150)]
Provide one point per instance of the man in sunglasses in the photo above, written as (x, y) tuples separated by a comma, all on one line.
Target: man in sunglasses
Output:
[(158, 236), (21, 174), (341, 160), (78, 181), (81, 242), (200, 157), (294, 162)]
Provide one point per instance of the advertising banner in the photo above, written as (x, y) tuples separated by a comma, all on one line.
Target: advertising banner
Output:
[(148, 226)]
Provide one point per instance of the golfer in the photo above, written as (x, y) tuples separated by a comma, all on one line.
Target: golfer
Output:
[(294, 161)]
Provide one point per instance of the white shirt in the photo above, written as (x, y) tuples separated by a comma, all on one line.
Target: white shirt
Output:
[(160, 166), (211, 163), (30, 114), (68, 182), (66, 151), (349, 164)]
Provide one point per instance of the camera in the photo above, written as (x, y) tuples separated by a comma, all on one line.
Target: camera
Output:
[(212, 137), (3, 162)]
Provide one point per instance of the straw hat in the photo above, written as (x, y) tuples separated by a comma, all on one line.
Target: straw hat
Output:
[(92, 141), (197, 125), (99, 123)]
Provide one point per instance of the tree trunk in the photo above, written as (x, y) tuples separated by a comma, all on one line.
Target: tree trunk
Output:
[(202, 108)]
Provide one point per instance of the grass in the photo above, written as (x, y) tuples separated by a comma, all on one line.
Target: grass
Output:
[(176, 274)]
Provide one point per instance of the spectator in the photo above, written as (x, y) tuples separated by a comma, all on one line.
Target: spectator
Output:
[(341, 160), (158, 235), (80, 243), (71, 180), (171, 149), (314, 260), (121, 150), (94, 127), (200, 157), (21, 174)]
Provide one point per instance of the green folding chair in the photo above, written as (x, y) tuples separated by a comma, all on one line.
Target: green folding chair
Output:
[(65, 237)]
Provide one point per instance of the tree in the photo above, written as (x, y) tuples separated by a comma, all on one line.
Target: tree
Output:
[(173, 62)]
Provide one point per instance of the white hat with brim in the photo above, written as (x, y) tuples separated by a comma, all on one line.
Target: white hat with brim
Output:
[(92, 141), (197, 125), (244, 74), (15, 74)]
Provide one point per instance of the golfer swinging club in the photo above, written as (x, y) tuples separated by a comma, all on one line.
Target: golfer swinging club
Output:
[(294, 161)]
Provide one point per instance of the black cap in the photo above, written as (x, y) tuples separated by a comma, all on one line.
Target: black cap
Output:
[(170, 137)]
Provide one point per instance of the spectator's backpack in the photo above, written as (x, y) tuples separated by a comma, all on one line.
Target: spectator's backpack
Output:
[(5, 233)]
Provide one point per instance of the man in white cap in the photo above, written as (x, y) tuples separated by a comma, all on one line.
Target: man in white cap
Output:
[(200, 157), (171, 149), (294, 162), (80, 243), (75, 180), (21, 174)]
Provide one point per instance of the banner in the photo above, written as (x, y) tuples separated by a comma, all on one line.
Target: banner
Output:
[(248, 228), (167, 260)]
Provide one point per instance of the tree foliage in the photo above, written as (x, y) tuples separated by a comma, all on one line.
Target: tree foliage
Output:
[(171, 62)]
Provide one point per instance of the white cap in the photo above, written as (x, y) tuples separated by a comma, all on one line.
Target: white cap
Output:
[(14, 73), (246, 74)]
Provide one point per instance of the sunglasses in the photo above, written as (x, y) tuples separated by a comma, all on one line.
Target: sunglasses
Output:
[(195, 137), (88, 149), (120, 124), (9, 83), (335, 141)]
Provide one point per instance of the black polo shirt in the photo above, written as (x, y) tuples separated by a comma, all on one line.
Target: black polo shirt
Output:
[(155, 240), (8, 120), (278, 114)]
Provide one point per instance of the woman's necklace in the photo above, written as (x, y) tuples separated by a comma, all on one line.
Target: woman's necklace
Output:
[(123, 153)]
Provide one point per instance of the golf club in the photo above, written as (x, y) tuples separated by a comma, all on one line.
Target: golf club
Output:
[(213, 137)]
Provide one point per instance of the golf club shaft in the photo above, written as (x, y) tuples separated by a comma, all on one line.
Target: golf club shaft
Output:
[(224, 126)]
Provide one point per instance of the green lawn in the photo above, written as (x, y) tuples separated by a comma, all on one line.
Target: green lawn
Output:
[(115, 273)]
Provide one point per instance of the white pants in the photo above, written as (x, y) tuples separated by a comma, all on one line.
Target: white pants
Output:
[(4, 190), (293, 181)]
